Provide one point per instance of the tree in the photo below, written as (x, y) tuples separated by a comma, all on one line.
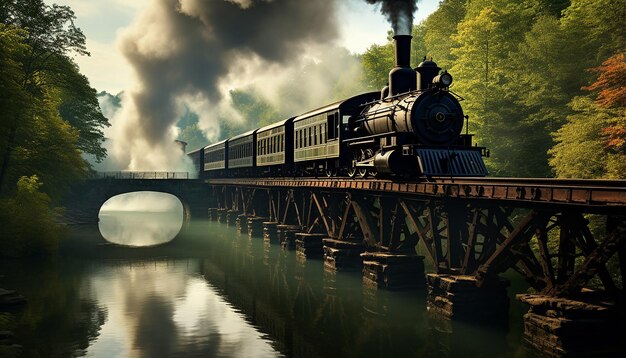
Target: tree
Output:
[(79, 106), (49, 37), (592, 143), (611, 82), (377, 61), (440, 26)]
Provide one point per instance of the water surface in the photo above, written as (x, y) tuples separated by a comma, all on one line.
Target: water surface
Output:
[(212, 292)]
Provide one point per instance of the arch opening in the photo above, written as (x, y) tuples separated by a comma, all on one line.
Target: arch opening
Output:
[(139, 219)]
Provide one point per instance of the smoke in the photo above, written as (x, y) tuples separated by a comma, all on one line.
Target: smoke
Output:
[(399, 13), (191, 53)]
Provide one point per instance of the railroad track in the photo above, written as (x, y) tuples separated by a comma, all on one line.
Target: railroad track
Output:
[(596, 195)]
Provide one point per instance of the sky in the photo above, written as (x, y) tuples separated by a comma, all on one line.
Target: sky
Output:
[(102, 20)]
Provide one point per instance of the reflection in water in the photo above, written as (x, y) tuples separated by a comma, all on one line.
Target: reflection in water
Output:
[(228, 296), (165, 309)]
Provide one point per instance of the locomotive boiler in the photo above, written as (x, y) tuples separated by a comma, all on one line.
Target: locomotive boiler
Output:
[(416, 125)]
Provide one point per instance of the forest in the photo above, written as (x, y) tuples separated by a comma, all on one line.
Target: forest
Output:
[(50, 118), (543, 83)]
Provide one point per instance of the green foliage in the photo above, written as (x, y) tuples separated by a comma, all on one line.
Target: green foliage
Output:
[(27, 224), (79, 106), (580, 152), (440, 26), (257, 111), (49, 114), (190, 131), (377, 61), (49, 36)]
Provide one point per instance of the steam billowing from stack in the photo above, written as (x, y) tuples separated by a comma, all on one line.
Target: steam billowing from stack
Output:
[(402, 78), (399, 13), (190, 53)]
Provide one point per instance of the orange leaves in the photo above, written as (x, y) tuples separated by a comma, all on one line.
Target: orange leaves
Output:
[(611, 82), (615, 137)]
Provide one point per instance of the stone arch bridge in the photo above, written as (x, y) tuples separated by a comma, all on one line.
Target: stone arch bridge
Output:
[(82, 205)]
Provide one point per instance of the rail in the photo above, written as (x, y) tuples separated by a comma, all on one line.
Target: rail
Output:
[(598, 194), (139, 175)]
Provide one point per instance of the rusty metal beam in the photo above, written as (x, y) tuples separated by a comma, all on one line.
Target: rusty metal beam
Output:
[(421, 232), (498, 260), (599, 257), (366, 222)]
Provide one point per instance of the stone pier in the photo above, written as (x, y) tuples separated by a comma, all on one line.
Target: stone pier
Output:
[(458, 297), (221, 215), (309, 245), (270, 232), (287, 235), (343, 255), (585, 326), (255, 226), (231, 217), (213, 214), (242, 223), (393, 271)]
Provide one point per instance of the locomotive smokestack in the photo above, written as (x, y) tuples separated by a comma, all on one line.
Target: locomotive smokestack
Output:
[(402, 78), (403, 50)]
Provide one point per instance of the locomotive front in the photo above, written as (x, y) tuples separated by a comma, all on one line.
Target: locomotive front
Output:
[(416, 127)]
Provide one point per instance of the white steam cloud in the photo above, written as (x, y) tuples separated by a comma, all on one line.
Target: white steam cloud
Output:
[(191, 53)]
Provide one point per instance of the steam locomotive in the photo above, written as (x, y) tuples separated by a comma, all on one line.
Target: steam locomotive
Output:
[(411, 128)]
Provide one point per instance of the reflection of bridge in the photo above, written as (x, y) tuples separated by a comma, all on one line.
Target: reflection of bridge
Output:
[(563, 236)]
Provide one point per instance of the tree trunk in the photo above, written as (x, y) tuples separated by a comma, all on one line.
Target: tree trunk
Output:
[(7, 157)]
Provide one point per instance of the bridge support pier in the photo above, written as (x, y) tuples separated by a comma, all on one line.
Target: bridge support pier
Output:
[(231, 217), (213, 214), (287, 235), (242, 223), (459, 297), (309, 245), (392, 271), (255, 226), (559, 326), (343, 255), (270, 233), (221, 215)]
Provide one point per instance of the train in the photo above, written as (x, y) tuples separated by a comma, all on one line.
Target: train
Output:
[(412, 128)]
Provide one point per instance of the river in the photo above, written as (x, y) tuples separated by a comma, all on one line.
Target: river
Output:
[(212, 292)]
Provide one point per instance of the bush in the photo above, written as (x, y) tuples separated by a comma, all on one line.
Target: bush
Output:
[(27, 222)]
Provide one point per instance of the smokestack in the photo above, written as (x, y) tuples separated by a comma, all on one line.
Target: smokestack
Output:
[(402, 78), (403, 50)]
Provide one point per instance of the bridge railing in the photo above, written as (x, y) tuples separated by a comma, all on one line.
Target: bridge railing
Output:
[(139, 175)]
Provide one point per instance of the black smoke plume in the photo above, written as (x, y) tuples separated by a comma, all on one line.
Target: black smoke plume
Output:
[(186, 52), (399, 13)]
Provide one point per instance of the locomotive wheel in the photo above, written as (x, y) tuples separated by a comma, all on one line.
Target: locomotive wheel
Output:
[(368, 153), (362, 172), (352, 171)]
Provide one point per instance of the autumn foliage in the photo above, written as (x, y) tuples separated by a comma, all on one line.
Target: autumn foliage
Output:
[(611, 82)]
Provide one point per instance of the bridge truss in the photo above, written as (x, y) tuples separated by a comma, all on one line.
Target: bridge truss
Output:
[(559, 234)]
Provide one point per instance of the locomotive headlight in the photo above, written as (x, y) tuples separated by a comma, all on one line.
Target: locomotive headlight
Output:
[(443, 80)]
